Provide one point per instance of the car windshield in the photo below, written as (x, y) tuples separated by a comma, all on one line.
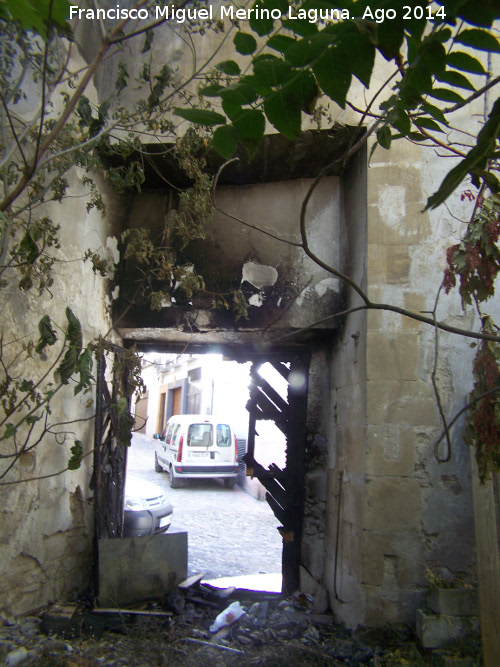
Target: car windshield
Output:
[(200, 435)]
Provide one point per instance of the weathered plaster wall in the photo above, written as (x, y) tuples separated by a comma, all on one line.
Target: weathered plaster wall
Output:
[(347, 426), (46, 525)]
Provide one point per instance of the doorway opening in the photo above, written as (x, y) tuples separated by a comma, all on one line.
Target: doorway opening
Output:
[(251, 530)]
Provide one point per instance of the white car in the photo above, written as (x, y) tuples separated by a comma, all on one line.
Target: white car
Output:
[(147, 509), (197, 447)]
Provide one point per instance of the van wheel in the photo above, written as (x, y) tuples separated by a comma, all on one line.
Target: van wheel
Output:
[(158, 467), (229, 482), (174, 483)]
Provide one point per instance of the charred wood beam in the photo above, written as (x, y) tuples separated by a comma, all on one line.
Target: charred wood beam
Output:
[(271, 394), (282, 368), (278, 511)]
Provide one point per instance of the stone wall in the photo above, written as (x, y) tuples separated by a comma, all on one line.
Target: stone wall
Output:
[(380, 509), (46, 524)]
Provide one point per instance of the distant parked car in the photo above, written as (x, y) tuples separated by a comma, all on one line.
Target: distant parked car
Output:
[(197, 447), (147, 509)]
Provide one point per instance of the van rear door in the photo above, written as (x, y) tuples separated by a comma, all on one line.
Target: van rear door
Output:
[(200, 442), (225, 444), (209, 445)]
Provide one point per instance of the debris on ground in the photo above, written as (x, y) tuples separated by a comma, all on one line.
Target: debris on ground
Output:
[(254, 630)]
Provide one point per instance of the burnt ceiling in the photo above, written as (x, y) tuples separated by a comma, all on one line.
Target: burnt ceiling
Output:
[(277, 159)]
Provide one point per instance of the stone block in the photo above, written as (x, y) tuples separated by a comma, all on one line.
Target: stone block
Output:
[(384, 320), (395, 206), (138, 568), (392, 357), (416, 303), (390, 451), (434, 631), (454, 601), (408, 550), (402, 402), (398, 262), (392, 504)]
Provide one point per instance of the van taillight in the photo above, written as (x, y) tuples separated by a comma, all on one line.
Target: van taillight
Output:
[(179, 451), (235, 449)]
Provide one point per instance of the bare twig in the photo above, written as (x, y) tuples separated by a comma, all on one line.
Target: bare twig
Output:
[(213, 645)]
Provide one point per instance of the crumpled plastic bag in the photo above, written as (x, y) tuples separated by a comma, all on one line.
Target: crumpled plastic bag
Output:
[(228, 616)]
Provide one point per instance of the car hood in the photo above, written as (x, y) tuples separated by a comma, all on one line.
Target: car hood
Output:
[(140, 488)]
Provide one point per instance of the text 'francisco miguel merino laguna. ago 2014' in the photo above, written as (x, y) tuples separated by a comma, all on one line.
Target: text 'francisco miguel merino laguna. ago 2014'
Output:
[(313, 15)]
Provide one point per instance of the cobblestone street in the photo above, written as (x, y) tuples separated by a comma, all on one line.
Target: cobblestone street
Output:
[(230, 533)]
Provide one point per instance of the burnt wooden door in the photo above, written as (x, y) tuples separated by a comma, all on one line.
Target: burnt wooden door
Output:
[(112, 435), (285, 489)]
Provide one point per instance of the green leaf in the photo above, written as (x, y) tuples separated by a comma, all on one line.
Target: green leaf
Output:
[(333, 77), (262, 26), (477, 13), (68, 365), (361, 53), (225, 141), (285, 117), (481, 40), (47, 334), (435, 112), (283, 107), (74, 330), (428, 124), (84, 368), (28, 248), (251, 146), (201, 116), (148, 40), (251, 124), (455, 79), (27, 16), (229, 67), (244, 43), (33, 419), (280, 43), (306, 50), (271, 71), (84, 110), (390, 34), (446, 95), (465, 62), (232, 109), (76, 457), (416, 136), (399, 119), (10, 431), (239, 93), (384, 137), (212, 90), (301, 27), (125, 422)]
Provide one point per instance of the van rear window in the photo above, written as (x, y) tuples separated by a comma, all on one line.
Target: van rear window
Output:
[(200, 435), (223, 435)]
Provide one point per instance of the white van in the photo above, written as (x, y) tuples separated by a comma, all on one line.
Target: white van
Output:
[(197, 446)]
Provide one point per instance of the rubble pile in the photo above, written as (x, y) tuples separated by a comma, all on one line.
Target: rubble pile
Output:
[(199, 625)]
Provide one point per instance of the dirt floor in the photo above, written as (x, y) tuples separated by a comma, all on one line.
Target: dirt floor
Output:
[(179, 630)]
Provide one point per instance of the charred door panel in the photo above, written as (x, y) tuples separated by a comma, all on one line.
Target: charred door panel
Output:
[(284, 488)]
